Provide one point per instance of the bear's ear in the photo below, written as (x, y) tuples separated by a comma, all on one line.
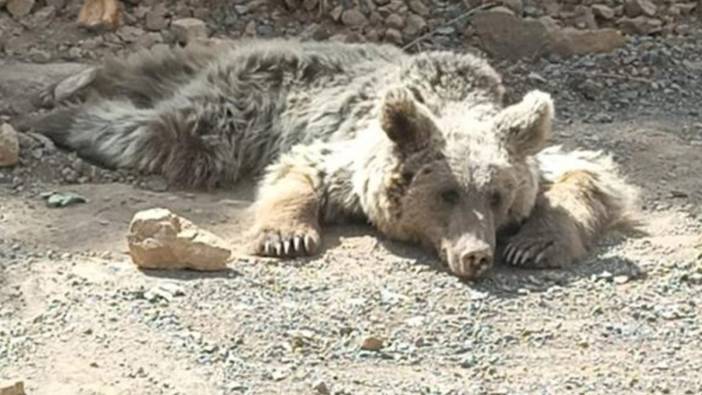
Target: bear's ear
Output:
[(526, 126), (405, 121)]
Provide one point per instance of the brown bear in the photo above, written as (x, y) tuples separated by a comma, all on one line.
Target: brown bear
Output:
[(419, 145)]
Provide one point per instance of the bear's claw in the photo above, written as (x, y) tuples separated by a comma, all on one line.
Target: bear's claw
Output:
[(534, 253), (287, 244)]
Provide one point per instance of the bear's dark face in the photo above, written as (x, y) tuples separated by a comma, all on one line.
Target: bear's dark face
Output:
[(464, 179)]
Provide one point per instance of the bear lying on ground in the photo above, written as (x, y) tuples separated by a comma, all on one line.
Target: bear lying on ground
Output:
[(421, 146)]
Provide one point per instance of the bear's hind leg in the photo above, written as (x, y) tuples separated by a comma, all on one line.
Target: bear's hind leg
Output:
[(287, 214)]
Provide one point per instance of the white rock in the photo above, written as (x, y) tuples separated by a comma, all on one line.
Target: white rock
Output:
[(9, 145), (160, 239)]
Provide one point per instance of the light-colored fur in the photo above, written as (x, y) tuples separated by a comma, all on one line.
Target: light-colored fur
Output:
[(421, 146)]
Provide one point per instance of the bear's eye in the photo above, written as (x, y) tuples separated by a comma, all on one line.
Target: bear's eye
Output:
[(450, 196), (495, 199)]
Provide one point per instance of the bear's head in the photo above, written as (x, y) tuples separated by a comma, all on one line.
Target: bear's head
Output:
[(459, 177)]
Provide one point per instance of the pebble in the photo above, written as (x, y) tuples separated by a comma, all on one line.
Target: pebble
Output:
[(19, 8), (188, 29), (321, 388), (372, 344), (353, 18), (418, 7), (156, 18)]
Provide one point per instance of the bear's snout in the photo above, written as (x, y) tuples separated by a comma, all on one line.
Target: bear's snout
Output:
[(477, 261), (470, 260)]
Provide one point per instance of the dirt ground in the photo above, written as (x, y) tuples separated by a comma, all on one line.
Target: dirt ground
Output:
[(77, 317)]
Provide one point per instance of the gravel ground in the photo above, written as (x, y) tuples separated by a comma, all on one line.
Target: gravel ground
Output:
[(368, 316)]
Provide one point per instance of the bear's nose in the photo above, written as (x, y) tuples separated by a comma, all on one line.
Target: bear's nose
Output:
[(476, 262)]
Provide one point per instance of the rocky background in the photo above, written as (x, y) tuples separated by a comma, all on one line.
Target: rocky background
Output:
[(367, 316), (43, 30)]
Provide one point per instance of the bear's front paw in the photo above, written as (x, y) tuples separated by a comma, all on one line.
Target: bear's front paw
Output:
[(286, 241), (536, 252)]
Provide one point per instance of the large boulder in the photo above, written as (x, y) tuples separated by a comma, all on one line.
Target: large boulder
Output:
[(505, 35)]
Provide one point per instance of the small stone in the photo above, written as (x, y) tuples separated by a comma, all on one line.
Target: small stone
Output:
[(12, 388), (64, 199), (605, 275), (41, 18), (415, 25), (353, 18), (310, 5), (279, 374), (584, 17), (622, 279), (602, 118), (164, 292), (371, 344), (336, 13), (156, 18), (159, 239), (418, 7), (39, 55), (9, 145), (314, 31), (393, 36), (395, 21), (602, 11), (372, 35), (19, 8), (634, 8), (250, 29), (321, 388), (129, 34), (188, 29), (683, 8), (535, 77), (682, 29), (264, 30)]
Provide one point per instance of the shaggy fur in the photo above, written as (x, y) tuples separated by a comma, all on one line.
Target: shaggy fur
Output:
[(419, 145)]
